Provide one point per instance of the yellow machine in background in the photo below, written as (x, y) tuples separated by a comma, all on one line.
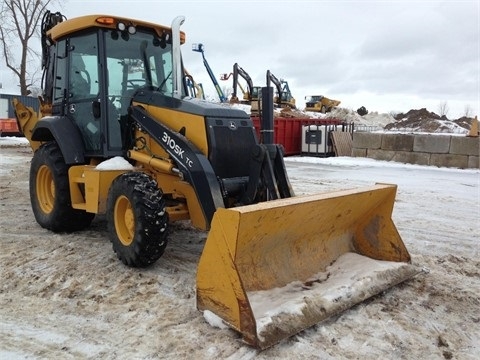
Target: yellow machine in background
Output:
[(194, 89), (284, 97), (320, 103), (117, 135), (251, 95)]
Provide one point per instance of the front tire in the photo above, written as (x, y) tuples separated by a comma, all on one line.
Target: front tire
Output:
[(50, 192), (137, 220)]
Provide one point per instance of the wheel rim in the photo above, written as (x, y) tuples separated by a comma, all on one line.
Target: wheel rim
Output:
[(124, 220), (45, 188)]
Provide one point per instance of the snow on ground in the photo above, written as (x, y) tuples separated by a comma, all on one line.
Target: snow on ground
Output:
[(66, 296), (13, 141)]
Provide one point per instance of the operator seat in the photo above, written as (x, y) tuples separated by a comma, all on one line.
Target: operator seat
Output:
[(79, 84)]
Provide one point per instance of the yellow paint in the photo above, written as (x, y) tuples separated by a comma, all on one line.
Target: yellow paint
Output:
[(124, 218), (27, 119), (195, 129), (45, 189), (87, 22), (271, 244), (95, 184)]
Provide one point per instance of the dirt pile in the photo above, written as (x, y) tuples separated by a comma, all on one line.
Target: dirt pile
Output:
[(420, 120), (423, 120)]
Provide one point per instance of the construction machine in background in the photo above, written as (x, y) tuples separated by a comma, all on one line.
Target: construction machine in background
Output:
[(194, 89), (116, 134), (200, 48), (234, 98), (252, 92), (320, 103), (283, 98), (9, 127)]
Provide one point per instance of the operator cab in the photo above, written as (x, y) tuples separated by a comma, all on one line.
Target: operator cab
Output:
[(94, 88)]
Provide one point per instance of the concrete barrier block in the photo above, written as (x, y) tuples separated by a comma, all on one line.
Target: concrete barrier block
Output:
[(365, 140), (449, 160), (473, 162), (397, 142), (409, 157), (432, 144), (359, 152), (377, 154), (463, 145)]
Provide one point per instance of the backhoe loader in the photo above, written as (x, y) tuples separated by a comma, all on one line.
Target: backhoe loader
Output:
[(116, 134)]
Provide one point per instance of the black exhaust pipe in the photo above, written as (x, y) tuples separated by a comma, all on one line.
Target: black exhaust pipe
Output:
[(266, 121), (267, 159)]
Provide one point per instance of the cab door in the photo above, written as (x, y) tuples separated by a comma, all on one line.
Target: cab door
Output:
[(84, 91)]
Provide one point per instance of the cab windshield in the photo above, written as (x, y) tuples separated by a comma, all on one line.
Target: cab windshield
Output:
[(135, 61)]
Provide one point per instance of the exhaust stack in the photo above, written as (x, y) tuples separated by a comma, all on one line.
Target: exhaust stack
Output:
[(177, 56)]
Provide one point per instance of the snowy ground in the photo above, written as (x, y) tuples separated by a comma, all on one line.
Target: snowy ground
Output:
[(66, 296)]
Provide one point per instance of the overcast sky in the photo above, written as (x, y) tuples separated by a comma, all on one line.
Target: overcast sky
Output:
[(389, 56)]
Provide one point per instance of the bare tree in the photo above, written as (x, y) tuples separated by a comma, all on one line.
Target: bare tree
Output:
[(468, 111), (443, 108), (18, 26)]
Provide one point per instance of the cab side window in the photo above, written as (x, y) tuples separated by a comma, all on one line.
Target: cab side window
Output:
[(83, 67), (83, 89)]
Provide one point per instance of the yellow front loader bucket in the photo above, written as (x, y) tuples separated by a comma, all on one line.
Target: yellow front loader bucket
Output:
[(275, 268)]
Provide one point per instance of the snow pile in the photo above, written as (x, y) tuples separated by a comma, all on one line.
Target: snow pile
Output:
[(12, 141), (370, 119), (116, 163), (429, 126), (246, 108), (349, 280), (214, 320)]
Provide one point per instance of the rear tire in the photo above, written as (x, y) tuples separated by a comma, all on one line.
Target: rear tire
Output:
[(137, 220), (50, 192)]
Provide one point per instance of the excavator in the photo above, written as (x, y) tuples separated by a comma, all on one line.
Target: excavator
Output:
[(252, 93), (283, 98), (117, 134), (234, 98)]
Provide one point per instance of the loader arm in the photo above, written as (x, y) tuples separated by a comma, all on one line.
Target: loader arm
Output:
[(194, 165)]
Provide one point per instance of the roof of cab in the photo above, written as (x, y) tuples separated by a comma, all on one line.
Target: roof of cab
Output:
[(84, 22)]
